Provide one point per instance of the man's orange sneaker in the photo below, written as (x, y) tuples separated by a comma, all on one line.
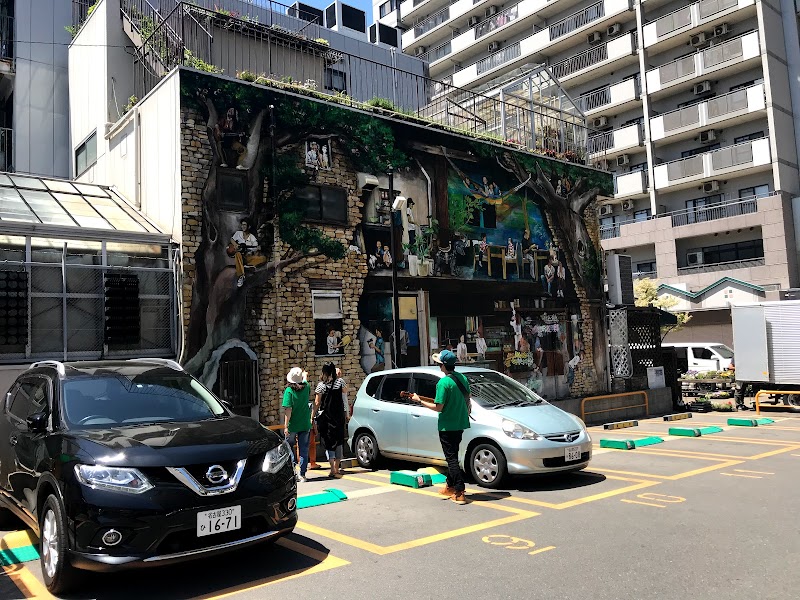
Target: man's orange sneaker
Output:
[(459, 498), (447, 491)]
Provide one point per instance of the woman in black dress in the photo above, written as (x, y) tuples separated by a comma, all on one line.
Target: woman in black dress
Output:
[(331, 416)]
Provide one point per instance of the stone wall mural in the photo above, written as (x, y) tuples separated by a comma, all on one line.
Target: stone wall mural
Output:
[(288, 217)]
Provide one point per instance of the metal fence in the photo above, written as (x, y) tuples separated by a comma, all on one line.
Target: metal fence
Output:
[(674, 21), (6, 154), (501, 19), (577, 20), (732, 155), (292, 59), (677, 69), (59, 301), (432, 22), (6, 38), (580, 61), (713, 212), (686, 167), (727, 103), (712, 7), (723, 52), (688, 115), (498, 58), (724, 266)]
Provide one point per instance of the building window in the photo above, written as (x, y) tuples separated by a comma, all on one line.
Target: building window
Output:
[(326, 306), (237, 380), (86, 155), (232, 190), (733, 252), (641, 215), (354, 19), (638, 167), (14, 313), (758, 191), (324, 203), (646, 267), (388, 7), (750, 136), (387, 35), (335, 80)]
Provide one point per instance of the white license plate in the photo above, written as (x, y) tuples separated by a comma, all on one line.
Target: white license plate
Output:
[(572, 454), (219, 520)]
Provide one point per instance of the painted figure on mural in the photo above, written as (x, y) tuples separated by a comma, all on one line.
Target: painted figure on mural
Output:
[(387, 258), (483, 248), (375, 260), (412, 225), (480, 346), (228, 138), (246, 252), (333, 341), (461, 350), (377, 346), (529, 253), (549, 276)]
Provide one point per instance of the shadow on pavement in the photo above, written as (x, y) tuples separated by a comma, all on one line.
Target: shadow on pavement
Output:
[(551, 483)]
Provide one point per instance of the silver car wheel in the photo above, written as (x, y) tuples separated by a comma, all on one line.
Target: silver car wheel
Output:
[(50, 543), (365, 449), (485, 466)]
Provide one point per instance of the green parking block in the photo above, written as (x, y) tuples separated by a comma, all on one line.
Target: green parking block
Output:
[(743, 422), (618, 444), (327, 497), (411, 479), (684, 431), (18, 555), (648, 441), (764, 421), (710, 429)]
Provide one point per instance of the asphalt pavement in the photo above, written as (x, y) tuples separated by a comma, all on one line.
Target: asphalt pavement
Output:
[(700, 517)]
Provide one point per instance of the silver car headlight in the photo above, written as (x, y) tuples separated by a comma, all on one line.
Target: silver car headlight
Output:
[(116, 479), (276, 458), (519, 432)]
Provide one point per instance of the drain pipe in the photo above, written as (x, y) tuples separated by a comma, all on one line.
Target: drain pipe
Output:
[(430, 188)]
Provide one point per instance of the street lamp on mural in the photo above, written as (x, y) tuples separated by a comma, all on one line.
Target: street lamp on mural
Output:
[(397, 204)]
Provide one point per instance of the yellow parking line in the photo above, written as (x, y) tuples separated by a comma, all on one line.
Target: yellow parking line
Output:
[(645, 503), (27, 582), (17, 539), (540, 550), (340, 537), (774, 452), (737, 475), (326, 562), (756, 472)]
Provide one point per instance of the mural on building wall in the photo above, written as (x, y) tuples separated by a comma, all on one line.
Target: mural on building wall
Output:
[(510, 216)]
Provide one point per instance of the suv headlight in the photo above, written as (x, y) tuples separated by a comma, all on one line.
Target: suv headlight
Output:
[(116, 479), (276, 458), (519, 432)]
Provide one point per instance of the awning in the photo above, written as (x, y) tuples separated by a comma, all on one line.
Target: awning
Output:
[(70, 209)]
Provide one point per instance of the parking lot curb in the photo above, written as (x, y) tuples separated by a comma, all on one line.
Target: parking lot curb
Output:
[(764, 421), (621, 424), (648, 441), (348, 463), (694, 432), (436, 476), (14, 556), (618, 444), (678, 416), (710, 429), (743, 422), (330, 496)]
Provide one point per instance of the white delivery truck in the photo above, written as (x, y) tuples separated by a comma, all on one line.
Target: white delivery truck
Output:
[(766, 340)]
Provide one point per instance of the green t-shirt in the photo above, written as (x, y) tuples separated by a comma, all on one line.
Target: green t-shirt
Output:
[(454, 415), (297, 400)]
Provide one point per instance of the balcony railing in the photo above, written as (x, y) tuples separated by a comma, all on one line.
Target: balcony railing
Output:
[(677, 69), (6, 159), (432, 22), (685, 167), (601, 142), (645, 274), (723, 52), (580, 61), (723, 266), (731, 156), (713, 212), (6, 38), (712, 7), (438, 52), (683, 117), (673, 21), (577, 20), (603, 96), (496, 22), (730, 102), (498, 58)]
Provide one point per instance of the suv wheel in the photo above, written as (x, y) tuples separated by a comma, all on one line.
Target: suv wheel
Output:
[(59, 574), (366, 449)]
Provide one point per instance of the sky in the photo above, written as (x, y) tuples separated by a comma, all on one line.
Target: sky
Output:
[(365, 5)]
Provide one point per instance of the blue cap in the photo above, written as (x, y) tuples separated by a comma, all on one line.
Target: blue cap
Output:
[(445, 357)]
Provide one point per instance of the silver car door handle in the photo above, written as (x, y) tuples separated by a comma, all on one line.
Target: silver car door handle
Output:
[(416, 416), (376, 410)]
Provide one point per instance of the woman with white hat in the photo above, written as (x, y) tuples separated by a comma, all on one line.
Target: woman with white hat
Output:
[(297, 415)]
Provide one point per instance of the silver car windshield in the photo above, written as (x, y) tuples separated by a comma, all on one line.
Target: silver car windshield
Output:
[(493, 390)]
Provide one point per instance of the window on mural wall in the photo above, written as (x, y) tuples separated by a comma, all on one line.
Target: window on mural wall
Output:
[(86, 154), (324, 203), (232, 191), (327, 310)]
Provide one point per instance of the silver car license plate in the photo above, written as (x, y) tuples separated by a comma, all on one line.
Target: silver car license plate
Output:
[(219, 520), (572, 453)]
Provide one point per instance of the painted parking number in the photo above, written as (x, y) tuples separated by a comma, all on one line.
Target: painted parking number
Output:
[(514, 543), (655, 500)]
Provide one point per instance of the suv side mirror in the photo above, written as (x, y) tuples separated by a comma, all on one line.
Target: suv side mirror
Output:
[(37, 423)]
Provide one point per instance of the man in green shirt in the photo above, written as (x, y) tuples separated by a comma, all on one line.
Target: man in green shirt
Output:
[(297, 415), (453, 404)]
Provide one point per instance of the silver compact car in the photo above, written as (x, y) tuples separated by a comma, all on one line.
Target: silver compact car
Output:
[(512, 430)]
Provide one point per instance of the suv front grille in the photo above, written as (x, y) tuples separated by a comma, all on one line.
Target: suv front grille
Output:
[(567, 438), (183, 541)]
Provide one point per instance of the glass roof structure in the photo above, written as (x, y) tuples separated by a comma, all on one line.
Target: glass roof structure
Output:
[(69, 207)]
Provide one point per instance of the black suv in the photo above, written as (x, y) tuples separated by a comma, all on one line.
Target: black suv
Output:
[(135, 463)]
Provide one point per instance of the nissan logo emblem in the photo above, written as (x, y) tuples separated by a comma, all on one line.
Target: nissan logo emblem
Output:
[(216, 474)]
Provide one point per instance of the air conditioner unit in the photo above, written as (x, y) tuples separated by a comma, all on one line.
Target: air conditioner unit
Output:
[(494, 46), (695, 257), (620, 279), (623, 159), (697, 39), (473, 21), (599, 122), (710, 186), (627, 206), (491, 11), (702, 87), (614, 29), (595, 37), (601, 164), (420, 50), (708, 136), (606, 209), (722, 29)]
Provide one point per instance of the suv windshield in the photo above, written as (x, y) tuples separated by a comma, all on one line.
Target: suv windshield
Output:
[(493, 390), (723, 351), (153, 397)]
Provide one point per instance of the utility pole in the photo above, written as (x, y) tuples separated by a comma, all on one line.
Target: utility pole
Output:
[(395, 299)]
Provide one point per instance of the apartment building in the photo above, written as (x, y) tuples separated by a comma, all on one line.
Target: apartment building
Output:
[(692, 109), (34, 99)]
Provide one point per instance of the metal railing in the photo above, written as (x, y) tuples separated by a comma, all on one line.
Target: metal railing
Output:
[(713, 212), (439, 52), (600, 142), (432, 22), (645, 274), (673, 21), (597, 98), (497, 21), (687, 115), (580, 61), (80, 11), (6, 155), (677, 69), (727, 103), (685, 167), (716, 55), (712, 7), (6, 38), (498, 58), (730, 156), (240, 45), (577, 20), (723, 266)]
